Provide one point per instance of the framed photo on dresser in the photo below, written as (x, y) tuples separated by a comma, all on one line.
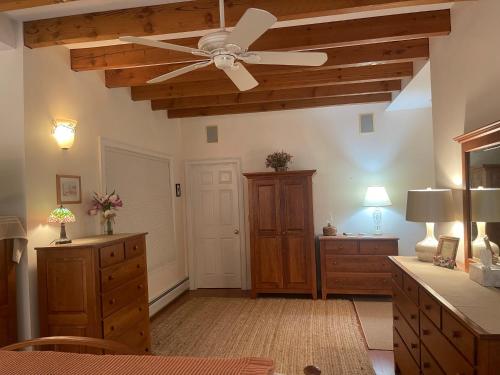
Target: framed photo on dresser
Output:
[(446, 254)]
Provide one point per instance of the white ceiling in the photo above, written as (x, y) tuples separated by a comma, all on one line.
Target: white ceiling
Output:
[(88, 6)]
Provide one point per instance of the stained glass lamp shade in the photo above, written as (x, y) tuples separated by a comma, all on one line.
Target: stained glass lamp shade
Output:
[(62, 215)]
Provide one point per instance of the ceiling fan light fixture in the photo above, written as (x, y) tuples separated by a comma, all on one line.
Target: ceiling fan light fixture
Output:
[(224, 61)]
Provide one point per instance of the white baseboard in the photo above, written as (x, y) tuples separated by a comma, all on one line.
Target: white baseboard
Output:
[(163, 300)]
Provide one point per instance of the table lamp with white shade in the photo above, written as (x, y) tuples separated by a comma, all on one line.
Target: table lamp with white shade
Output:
[(376, 196), (485, 208), (429, 206)]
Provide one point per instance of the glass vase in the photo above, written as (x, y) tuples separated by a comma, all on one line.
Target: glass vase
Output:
[(109, 227)]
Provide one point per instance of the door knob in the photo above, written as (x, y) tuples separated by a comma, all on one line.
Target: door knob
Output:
[(236, 231)]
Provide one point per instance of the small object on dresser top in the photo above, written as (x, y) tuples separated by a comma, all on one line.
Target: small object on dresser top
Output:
[(329, 230), (485, 272)]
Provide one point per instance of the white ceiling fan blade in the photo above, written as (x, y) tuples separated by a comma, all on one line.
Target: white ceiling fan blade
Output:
[(241, 77), (250, 27), (180, 71), (160, 44), (286, 58)]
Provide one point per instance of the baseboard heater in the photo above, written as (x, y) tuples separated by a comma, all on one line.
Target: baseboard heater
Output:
[(159, 302)]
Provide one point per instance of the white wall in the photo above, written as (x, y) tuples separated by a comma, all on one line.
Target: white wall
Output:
[(465, 70), (12, 180), (398, 156), (52, 90)]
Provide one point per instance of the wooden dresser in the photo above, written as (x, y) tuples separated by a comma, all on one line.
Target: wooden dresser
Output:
[(96, 287), (444, 323), (8, 317), (283, 258), (356, 265)]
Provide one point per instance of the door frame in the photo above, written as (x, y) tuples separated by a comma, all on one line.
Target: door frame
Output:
[(189, 166)]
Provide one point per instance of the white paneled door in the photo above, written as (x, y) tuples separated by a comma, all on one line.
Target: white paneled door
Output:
[(215, 225)]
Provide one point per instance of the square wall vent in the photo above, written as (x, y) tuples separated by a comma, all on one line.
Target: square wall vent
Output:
[(366, 124), (212, 134)]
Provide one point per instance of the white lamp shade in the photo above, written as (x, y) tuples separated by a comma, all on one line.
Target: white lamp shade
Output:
[(430, 206), (485, 205), (376, 196)]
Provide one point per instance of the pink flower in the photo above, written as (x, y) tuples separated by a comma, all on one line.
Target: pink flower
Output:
[(92, 212)]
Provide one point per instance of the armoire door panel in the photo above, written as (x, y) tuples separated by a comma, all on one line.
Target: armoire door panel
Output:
[(269, 263), (294, 204), (296, 262), (266, 205)]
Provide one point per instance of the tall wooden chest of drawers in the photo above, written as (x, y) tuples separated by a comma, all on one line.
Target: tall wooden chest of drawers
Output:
[(96, 287), (356, 265), (8, 319), (444, 323)]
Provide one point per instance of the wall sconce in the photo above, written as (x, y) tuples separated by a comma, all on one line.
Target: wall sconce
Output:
[(64, 133)]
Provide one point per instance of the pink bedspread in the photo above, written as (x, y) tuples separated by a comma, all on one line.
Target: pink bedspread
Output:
[(52, 363)]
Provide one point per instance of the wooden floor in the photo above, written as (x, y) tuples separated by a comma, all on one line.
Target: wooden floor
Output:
[(383, 361)]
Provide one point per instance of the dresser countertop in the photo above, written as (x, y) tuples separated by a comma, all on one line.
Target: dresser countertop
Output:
[(359, 237), (475, 303), (94, 241)]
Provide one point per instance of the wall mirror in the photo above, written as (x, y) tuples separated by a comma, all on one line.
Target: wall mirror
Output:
[(481, 199)]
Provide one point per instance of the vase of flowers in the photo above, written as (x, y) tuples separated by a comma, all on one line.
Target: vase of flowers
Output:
[(279, 161), (108, 204)]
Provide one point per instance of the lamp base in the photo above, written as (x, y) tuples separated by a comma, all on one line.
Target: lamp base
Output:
[(478, 245), (427, 248), (62, 236), (62, 241)]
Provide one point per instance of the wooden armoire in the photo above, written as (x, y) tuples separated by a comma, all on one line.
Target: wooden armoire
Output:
[(8, 320), (283, 258)]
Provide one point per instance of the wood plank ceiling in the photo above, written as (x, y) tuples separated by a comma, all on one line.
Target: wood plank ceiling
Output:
[(367, 57)]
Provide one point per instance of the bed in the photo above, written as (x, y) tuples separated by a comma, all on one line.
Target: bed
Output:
[(118, 360)]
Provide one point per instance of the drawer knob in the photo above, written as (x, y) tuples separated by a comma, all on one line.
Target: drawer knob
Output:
[(112, 301), (140, 308), (456, 334), (146, 349), (414, 346), (425, 332), (141, 333), (341, 247), (426, 365), (140, 286), (112, 328), (408, 289), (138, 266), (413, 316), (136, 247), (110, 277), (396, 345), (112, 254), (396, 318), (427, 307)]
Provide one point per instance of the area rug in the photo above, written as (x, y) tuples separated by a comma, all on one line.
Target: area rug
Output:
[(292, 332), (375, 316)]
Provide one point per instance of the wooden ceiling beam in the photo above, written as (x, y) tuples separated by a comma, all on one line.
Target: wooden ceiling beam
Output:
[(277, 95), (316, 36), (186, 16), (279, 106), (275, 81), (7, 5), (378, 53)]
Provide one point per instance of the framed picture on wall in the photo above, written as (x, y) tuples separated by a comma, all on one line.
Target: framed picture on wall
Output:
[(69, 189)]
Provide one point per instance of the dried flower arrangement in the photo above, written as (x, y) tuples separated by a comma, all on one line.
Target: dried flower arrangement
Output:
[(278, 160)]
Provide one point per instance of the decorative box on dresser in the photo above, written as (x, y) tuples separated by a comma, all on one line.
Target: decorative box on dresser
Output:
[(8, 318), (96, 287), (283, 258), (444, 323), (356, 265)]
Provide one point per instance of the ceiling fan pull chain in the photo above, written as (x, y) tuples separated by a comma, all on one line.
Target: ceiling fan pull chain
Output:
[(221, 12)]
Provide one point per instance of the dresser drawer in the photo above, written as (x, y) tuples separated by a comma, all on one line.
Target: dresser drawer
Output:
[(378, 247), (135, 247), (137, 337), (361, 281), (462, 338), (430, 307), (110, 255), (410, 287), (409, 337), (448, 358), (124, 319), (121, 297), (116, 276), (397, 275), (349, 247), (407, 307), (402, 358), (357, 263), (428, 364)]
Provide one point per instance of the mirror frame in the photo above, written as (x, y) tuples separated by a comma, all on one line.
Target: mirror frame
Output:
[(487, 136)]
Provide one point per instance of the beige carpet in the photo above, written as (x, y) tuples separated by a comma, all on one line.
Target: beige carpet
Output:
[(375, 316), (293, 332)]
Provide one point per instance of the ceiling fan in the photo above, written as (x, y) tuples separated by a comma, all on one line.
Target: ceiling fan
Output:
[(228, 49)]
